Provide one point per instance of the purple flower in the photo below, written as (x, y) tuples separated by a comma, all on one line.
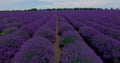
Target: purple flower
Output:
[(47, 33), (35, 50), (9, 45)]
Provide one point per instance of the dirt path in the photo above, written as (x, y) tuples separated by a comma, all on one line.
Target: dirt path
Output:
[(56, 44)]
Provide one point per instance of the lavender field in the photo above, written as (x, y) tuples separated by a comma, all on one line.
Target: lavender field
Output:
[(60, 36)]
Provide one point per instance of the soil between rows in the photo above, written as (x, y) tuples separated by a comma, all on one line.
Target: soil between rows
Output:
[(56, 45)]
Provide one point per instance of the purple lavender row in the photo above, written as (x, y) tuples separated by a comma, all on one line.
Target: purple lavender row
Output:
[(47, 33), (25, 17), (37, 15), (107, 21), (48, 29), (2, 27), (88, 35), (17, 19), (67, 38), (10, 26), (107, 47), (20, 33), (104, 16), (64, 25), (51, 23), (28, 30), (23, 33), (107, 24), (9, 45), (16, 24), (35, 50), (12, 21), (9, 29), (75, 50), (74, 22), (105, 30)]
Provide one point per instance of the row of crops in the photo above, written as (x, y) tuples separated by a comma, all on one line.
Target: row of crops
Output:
[(85, 36)]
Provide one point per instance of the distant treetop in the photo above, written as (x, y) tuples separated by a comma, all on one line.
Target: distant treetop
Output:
[(35, 9)]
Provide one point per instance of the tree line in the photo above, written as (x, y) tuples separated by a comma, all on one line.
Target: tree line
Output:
[(35, 9)]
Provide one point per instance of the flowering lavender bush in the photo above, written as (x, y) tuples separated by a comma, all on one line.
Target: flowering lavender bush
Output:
[(106, 46), (65, 27), (2, 27), (69, 37), (21, 33), (47, 33), (9, 30), (35, 50), (51, 23), (9, 45), (88, 32), (16, 24), (79, 52), (75, 22), (106, 30)]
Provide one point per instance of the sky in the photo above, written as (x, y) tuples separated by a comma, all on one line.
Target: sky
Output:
[(43, 4)]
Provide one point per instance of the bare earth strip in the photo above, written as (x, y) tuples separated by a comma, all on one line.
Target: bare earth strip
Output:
[(56, 44)]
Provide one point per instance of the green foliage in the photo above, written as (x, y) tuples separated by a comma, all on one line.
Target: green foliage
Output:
[(35, 9), (69, 39), (75, 60), (7, 31)]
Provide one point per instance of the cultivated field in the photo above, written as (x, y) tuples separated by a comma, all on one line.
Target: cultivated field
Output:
[(63, 36)]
